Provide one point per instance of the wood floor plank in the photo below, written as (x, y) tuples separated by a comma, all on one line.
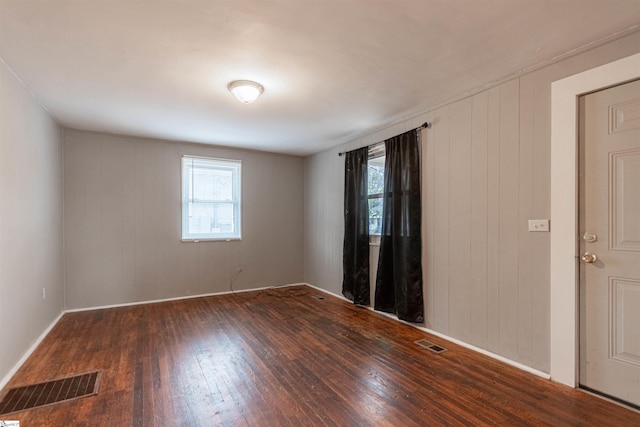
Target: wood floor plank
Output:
[(283, 358)]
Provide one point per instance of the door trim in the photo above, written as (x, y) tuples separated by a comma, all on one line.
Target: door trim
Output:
[(564, 209)]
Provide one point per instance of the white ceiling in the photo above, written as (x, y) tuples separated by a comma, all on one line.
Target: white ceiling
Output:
[(333, 70)]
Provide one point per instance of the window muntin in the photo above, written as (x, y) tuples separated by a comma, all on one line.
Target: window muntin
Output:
[(375, 177), (211, 198)]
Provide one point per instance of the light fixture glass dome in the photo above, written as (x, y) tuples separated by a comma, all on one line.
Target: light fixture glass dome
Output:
[(245, 91)]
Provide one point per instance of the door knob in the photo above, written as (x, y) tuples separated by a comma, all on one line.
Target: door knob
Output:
[(589, 258)]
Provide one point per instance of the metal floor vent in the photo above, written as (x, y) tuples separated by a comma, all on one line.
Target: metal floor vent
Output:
[(430, 346), (50, 392), (320, 297)]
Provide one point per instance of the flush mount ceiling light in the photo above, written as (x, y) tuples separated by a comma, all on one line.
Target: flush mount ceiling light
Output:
[(245, 91)]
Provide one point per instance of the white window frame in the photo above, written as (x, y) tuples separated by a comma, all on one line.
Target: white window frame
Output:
[(236, 167)]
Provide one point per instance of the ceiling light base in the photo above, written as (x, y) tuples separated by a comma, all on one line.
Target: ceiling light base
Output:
[(245, 91)]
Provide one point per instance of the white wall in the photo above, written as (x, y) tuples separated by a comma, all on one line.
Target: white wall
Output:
[(123, 217), (30, 220), (486, 172)]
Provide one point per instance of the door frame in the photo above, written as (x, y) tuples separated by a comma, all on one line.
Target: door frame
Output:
[(564, 277)]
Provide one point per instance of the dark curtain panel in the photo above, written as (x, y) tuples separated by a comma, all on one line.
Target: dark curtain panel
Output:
[(355, 261), (399, 280)]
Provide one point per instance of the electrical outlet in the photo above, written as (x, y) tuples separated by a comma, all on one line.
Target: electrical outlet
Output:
[(538, 225), (44, 293)]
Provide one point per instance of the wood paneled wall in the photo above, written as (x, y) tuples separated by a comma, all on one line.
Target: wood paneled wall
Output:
[(122, 222), (485, 273), (30, 220), (324, 221), (486, 172)]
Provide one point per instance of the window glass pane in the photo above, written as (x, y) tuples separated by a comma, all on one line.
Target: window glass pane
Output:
[(200, 218), (375, 216), (223, 218), (211, 218), (212, 184), (376, 175)]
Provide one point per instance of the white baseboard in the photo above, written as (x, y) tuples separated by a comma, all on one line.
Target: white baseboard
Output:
[(128, 304), (453, 340), (31, 349)]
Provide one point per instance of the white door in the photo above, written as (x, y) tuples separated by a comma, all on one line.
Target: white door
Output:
[(610, 242)]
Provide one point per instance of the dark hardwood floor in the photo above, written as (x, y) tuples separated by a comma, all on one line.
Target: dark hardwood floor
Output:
[(283, 357)]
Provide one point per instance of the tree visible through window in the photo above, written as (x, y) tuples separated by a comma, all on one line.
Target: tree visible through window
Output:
[(210, 198), (375, 172)]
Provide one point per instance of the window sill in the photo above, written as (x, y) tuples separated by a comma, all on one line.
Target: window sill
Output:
[(222, 239)]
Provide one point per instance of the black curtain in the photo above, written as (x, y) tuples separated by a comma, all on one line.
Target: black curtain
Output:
[(355, 261), (399, 279)]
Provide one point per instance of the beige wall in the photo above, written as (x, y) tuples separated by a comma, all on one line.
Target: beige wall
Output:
[(30, 221), (122, 222), (486, 172)]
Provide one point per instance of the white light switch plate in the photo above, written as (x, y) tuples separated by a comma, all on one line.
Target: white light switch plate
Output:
[(538, 225)]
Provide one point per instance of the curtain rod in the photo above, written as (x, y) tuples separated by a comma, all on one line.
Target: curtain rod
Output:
[(425, 125)]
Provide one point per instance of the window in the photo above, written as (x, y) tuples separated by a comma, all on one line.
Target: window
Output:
[(210, 199), (375, 177)]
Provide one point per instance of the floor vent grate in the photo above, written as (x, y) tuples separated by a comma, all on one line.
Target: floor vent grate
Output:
[(430, 346), (320, 297), (50, 392)]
